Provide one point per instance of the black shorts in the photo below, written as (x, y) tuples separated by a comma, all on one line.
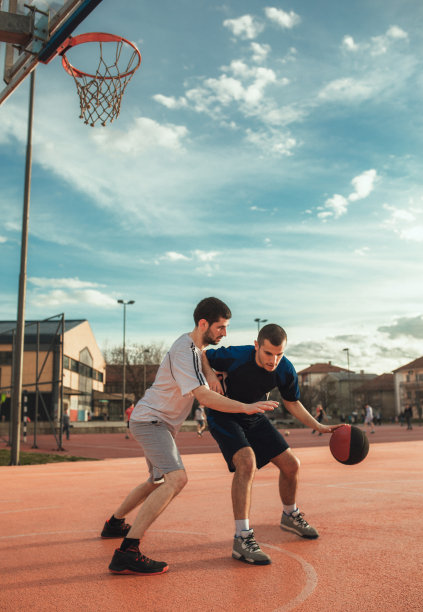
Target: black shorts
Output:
[(232, 433)]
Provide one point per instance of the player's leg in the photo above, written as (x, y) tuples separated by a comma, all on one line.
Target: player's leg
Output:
[(244, 462), (230, 436), (165, 465), (292, 519)]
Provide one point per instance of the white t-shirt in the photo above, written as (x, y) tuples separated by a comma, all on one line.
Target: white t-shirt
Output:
[(170, 397)]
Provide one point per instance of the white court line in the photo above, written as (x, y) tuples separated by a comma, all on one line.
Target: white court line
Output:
[(30, 509), (311, 580)]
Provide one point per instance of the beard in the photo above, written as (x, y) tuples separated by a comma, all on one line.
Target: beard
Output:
[(209, 339)]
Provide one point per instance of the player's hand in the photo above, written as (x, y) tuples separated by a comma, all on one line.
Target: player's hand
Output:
[(331, 429), (214, 383), (261, 406)]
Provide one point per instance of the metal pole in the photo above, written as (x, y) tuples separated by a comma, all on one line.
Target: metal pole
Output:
[(37, 389), (124, 363), (20, 325)]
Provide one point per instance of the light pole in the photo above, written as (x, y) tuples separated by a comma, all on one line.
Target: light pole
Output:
[(125, 304), (347, 350), (258, 321)]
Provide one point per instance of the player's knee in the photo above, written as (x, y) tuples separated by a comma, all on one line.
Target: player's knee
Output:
[(177, 480), (245, 461), (290, 466)]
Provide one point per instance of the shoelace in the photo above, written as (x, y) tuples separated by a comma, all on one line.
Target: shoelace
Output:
[(300, 519), (250, 543), (140, 557)]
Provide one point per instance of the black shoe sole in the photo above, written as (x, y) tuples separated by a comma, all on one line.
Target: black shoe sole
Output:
[(135, 573), (244, 560)]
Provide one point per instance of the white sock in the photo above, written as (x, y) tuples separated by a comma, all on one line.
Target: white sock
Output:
[(241, 525), (289, 509)]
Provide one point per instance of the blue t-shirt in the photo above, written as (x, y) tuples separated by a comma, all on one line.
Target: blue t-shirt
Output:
[(247, 382)]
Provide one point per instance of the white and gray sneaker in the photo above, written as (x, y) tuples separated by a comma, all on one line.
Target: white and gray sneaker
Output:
[(296, 523), (246, 549)]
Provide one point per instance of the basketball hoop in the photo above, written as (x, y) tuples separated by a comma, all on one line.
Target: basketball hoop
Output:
[(100, 92)]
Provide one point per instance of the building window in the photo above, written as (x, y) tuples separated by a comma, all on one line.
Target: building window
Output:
[(5, 357), (66, 362)]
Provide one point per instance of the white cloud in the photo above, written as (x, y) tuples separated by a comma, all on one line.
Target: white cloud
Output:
[(347, 89), (349, 43), (67, 291), (143, 135), (68, 283), (396, 32), (260, 52), (363, 185), (246, 27), (272, 141), (377, 45), (170, 101), (337, 205), (281, 18), (3, 239), (59, 298), (362, 252), (172, 256), (406, 223)]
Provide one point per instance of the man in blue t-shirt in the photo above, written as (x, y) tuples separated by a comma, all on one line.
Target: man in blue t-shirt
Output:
[(248, 442)]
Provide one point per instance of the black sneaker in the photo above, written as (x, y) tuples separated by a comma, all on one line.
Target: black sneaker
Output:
[(115, 531), (131, 561)]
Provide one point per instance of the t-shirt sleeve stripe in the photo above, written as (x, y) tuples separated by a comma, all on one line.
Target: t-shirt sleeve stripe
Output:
[(197, 367)]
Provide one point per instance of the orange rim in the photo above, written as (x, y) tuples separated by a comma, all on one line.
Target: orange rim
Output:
[(99, 37)]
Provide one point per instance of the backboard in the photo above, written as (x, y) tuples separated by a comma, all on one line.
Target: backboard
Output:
[(32, 30)]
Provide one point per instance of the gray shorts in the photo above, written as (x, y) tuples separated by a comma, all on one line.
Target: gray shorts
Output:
[(159, 448)]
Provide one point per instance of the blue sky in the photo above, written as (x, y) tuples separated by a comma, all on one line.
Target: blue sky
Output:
[(268, 154)]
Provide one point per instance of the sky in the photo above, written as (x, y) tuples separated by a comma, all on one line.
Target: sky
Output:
[(268, 154)]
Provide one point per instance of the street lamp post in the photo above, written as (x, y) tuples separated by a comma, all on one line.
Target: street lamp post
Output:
[(258, 321), (125, 304), (347, 350)]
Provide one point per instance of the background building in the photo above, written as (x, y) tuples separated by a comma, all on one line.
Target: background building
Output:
[(62, 367), (408, 383)]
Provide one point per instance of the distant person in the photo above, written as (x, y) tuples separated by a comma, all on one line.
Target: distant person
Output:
[(368, 417), (154, 423), (66, 423), (320, 415), (128, 413), (408, 415), (200, 417)]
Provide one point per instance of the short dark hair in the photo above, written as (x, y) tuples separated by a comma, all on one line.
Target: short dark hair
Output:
[(211, 309), (272, 332)]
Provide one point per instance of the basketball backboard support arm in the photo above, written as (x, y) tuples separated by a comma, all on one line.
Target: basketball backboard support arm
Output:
[(61, 24)]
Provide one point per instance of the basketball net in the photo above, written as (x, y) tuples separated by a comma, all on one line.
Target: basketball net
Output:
[(100, 93)]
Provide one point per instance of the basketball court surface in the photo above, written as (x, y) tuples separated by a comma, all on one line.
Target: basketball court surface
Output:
[(368, 556)]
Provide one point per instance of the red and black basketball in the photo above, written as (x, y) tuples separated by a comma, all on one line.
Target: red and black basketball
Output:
[(349, 444)]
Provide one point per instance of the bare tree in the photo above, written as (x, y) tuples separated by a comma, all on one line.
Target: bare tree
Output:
[(142, 361)]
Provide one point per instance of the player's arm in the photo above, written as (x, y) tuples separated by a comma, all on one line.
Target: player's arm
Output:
[(299, 412), (213, 400), (211, 377)]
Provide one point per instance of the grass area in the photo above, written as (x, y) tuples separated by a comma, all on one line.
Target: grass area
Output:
[(38, 458)]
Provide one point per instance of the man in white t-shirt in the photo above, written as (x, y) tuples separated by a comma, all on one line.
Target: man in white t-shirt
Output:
[(368, 417), (154, 423)]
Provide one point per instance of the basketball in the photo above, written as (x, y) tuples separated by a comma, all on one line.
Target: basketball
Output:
[(349, 445)]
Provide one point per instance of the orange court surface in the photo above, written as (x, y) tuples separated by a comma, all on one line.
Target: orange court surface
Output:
[(368, 556)]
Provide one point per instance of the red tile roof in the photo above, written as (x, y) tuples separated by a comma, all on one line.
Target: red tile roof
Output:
[(413, 365), (322, 368)]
